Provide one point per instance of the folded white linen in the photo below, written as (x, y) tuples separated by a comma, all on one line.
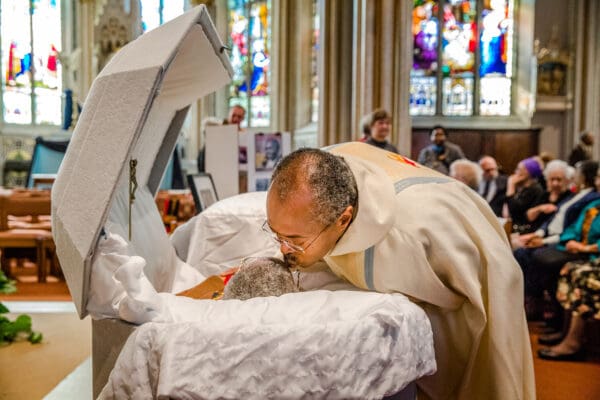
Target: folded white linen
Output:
[(227, 231), (120, 287), (150, 246), (318, 344)]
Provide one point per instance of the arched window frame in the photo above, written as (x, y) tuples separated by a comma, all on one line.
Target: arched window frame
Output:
[(523, 79), (66, 11), (253, 61)]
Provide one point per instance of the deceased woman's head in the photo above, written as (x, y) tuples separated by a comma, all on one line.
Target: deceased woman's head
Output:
[(260, 277)]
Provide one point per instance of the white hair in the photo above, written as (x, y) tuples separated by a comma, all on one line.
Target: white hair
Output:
[(571, 172), (473, 174), (260, 277), (557, 165)]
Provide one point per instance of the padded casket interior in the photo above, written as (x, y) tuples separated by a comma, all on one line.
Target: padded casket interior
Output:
[(148, 236), (187, 75)]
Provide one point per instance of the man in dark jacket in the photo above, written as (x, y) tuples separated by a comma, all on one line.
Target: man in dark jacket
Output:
[(493, 185), (440, 153), (583, 150)]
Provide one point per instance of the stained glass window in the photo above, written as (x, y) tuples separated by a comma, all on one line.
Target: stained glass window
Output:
[(495, 68), (314, 81), (31, 71), (423, 83), (157, 12), (465, 60), (250, 43)]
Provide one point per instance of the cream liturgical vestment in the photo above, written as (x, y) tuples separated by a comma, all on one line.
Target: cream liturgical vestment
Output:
[(433, 239)]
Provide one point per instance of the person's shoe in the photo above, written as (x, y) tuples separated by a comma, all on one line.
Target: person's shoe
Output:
[(548, 354), (547, 330), (550, 339)]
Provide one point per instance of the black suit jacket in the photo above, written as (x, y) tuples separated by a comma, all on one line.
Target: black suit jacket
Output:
[(578, 154), (499, 198)]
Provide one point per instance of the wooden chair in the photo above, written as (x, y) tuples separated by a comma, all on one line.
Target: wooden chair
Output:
[(21, 204)]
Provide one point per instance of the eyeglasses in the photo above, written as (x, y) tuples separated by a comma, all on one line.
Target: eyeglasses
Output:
[(296, 248)]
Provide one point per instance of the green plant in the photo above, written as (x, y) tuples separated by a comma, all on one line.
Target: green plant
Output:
[(20, 327)]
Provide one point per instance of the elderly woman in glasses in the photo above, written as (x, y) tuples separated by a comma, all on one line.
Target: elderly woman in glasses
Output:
[(387, 224)]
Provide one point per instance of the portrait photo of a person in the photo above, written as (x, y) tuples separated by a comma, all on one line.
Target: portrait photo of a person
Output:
[(268, 151)]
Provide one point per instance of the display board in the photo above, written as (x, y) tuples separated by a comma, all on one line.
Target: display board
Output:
[(221, 158)]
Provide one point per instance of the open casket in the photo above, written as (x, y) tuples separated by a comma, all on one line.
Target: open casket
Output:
[(122, 269)]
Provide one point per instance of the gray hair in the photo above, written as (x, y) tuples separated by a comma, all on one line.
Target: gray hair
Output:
[(570, 172), (556, 165), (328, 178), (260, 277), (474, 172)]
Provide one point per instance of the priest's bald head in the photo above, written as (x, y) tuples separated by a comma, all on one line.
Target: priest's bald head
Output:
[(311, 201)]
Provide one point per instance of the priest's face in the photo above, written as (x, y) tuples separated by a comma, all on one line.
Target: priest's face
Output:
[(303, 240)]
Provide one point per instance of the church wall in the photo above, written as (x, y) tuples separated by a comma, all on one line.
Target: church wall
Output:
[(354, 79), (553, 116)]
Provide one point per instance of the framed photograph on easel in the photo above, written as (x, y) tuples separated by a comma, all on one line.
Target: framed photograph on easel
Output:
[(265, 150), (203, 190)]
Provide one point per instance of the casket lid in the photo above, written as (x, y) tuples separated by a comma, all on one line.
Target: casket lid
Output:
[(134, 110)]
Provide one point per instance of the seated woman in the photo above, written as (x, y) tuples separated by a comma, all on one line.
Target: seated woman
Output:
[(568, 211), (556, 193), (523, 191), (549, 233), (579, 293), (578, 242)]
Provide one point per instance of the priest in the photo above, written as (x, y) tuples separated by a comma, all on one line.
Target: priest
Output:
[(387, 224)]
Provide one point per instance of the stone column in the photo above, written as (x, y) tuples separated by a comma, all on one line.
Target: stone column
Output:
[(291, 64), (586, 93), (335, 72), (86, 12), (383, 45)]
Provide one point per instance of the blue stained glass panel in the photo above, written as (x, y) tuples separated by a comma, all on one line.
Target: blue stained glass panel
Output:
[(496, 47), (459, 37), (238, 28), (423, 94), (496, 38), (17, 62), (463, 66), (425, 57), (314, 81), (250, 35), (48, 71)]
